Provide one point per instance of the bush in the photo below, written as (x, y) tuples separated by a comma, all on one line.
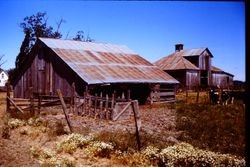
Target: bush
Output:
[(15, 123), (73, 141), (48, 158), (100, 149), (184, 154)]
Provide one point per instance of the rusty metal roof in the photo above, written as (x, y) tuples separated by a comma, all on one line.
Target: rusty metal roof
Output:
[(175, 61), (99, 63)]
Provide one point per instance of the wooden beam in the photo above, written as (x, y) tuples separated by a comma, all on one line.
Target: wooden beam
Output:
[(124, 109), (18, 108)]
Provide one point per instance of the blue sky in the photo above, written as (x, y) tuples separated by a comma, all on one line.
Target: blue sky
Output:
[(149, 28)]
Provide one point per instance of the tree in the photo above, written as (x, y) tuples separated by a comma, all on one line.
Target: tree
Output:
[(34, 26), (80, 37)]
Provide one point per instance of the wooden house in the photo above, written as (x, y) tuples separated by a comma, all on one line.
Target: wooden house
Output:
[(3, 78), (193, 67), (96, 67)]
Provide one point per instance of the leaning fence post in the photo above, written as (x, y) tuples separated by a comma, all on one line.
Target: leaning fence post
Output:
[(8, 95), (64, 109), (136, 116)]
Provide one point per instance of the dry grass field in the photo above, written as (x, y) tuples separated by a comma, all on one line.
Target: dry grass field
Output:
[(180, 134)]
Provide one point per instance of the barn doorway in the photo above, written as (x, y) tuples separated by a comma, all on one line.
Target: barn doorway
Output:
[(204, 78)]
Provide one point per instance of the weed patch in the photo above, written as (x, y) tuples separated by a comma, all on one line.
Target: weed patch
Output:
[(215, 127)]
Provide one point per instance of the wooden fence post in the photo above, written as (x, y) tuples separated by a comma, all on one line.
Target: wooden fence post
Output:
[(95, 109), (101, 106), (106, 107), (8, 95), (197, 96), (128, 95), (64, 109), (136, 116)]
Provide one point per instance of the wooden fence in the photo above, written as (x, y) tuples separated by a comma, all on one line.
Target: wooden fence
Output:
[(103, 107)]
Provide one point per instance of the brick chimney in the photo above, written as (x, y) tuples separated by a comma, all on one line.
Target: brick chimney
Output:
[(178, 47)]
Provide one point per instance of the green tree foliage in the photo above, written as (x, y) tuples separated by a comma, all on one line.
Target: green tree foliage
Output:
[(34, 26)]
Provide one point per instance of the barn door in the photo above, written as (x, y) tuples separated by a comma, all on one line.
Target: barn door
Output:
[(41, 75)]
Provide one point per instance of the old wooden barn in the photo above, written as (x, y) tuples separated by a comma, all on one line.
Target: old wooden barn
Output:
[(96, 67), (193, 67)]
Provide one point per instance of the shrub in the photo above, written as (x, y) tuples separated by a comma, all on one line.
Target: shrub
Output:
[(15, 123), (48, 158), (71, 142), (100, 149), (34, 121), (184, 154)]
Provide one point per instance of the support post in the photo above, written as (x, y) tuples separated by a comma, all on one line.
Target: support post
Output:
[(64, 109), (107, 106), (128, 95), (101, 106), (136, 116)]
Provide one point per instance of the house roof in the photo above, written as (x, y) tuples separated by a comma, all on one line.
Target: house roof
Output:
[(194, 52), (99, 63), (175, 61), (218, 70)]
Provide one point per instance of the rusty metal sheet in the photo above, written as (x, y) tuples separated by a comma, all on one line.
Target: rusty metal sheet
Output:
[(175, 61), (98, 63)]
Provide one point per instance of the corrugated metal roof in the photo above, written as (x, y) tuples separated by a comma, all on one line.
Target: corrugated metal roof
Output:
[(98, 63), (175, 61), (192, 52)]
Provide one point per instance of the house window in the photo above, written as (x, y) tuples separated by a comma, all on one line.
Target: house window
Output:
[(2, 75)]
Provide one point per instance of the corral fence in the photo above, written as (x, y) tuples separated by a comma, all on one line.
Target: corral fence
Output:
[(97, 106), (102, 106)]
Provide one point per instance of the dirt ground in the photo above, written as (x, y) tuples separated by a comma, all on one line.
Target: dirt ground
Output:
[(15, 151)]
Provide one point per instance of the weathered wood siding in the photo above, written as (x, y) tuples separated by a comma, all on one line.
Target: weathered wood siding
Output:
[(221, 79), (46, 73), (205, 64), (192, 79)]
